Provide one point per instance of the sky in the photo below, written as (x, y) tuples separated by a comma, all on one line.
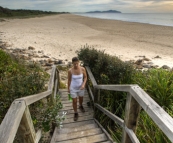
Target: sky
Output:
[(125, 6)]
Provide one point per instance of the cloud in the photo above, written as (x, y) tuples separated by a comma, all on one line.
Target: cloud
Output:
[(90, 5)]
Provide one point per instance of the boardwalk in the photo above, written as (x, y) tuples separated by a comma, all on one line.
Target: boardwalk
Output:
[(85, 130)]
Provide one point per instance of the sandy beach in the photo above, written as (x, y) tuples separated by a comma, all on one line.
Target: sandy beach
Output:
[(60, 36)]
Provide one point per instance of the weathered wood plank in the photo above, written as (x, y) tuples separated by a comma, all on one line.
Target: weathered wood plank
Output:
[(54, 135), (132, 135), (110, 115), (113, 87), (38, 136), (78, 124), (132, 110), (80, 118), (91, 76), (68, 102), (89, 139), (71, 111), (71, 107), (64, 94), (26, 129), (76, 129), (80, 114), (66, 98), (92, 96), (79, 134), (107, 134), (52, 77), (58, 76), (11, 122), (55, 90), (159, 116), (34, 98)]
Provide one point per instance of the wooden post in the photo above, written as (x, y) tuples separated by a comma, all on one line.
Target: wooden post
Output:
[(53, 89), (10, 124), (96, 95), (26, 131), (132, 111), (96, 100), (58, 77)]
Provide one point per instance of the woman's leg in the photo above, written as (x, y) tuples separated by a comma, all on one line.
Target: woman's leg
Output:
[(80, 100), (75, 109), (81, 94), (75, 104)]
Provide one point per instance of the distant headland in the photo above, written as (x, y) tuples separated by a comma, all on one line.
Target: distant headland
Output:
[(108, 11)]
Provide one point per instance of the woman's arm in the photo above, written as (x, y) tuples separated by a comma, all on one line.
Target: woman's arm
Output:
[(84, 78), (69, 80)]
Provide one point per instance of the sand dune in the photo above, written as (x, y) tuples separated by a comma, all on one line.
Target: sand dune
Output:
[(61, 35)]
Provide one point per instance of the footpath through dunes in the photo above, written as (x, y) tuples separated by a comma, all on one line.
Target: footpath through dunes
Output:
[(85, 130)]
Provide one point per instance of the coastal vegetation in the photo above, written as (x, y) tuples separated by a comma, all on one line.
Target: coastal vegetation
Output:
[(20, 78), (9, 13), (111, 70)]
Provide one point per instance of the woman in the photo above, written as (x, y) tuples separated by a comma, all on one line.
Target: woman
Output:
[(77, 78)]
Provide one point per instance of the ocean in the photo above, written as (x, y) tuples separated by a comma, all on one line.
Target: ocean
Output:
[(165, 19)]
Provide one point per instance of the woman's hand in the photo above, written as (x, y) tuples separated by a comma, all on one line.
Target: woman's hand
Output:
[(82, 87)]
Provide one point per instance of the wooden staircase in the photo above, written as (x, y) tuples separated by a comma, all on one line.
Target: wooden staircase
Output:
[(85, 130)]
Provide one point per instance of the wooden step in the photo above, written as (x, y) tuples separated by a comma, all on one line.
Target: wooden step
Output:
[(71, 108), (90, 112), (79, 134), (82, 118), (78, 123), (71, 111), (64, 94), (63, 90), (106, 142), (84, 130), (88, 139), (68, 102), (66, 98), (76, 129)]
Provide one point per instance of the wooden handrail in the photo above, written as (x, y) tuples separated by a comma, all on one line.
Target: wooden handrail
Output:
[(123, 88), (18, 113), (34, 98), (110, 115), (138, 97), (91, 76)]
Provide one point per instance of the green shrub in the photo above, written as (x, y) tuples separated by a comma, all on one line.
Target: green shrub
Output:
[(148, 131), (105, 68), (158, 83), (18, 80), (49, 115)]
